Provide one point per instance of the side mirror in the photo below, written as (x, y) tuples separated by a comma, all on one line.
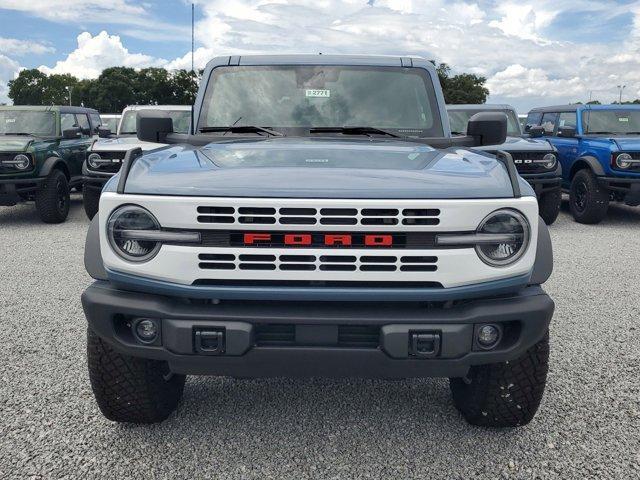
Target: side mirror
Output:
[(488, 128), (72, 133), (153, 126), (567, 132), (104, 132), (535, 131)]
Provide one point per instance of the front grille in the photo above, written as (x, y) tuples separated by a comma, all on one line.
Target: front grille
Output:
[(113, 167), (4, 168), (317, 216), (524, 162), (347, 336), (324, 263)]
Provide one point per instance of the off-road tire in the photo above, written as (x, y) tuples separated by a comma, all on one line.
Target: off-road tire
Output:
[(52, 198), (91, 200), (130, 389), (549, 205), (588, 201), (504, 394)]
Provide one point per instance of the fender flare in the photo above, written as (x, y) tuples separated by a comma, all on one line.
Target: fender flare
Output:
[(50, 164), (592, 162), (92, 253), (543, 266)]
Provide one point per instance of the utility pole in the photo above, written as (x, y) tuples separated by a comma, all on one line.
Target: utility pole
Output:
[(192, 34), (621, 88), (69, 89)]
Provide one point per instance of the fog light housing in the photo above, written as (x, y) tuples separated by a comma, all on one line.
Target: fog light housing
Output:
[(488, 336), (145, 330)]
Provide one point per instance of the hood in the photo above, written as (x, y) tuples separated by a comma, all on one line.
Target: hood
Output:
[(627, 143), (123, 144), (320, 168), (18, 143), (519, 144)]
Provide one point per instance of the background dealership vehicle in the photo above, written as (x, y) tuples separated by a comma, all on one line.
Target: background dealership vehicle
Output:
[(535, 160), (110, 121), (41, 154), (302, 232), (599, 150), (105, 156)]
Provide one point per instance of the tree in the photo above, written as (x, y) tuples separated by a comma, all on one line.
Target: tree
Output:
[(462, 88), (154, 86), (28, 87), (185, 86), (115, 88)]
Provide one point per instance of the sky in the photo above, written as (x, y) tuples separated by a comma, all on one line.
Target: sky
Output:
[(532, 53)]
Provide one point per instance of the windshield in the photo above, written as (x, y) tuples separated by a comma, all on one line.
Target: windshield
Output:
[(23, 121), (617, 122), (459, 119), (181, 120), (280, 97), (112, 123)]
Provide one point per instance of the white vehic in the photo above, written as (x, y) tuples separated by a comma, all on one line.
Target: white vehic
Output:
[(180, 264)]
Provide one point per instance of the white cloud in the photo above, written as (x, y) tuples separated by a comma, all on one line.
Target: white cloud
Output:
[(14, 47), (8, 70), (95, 53)]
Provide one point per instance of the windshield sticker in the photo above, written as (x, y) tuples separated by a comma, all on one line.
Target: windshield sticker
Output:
[(317, 93), (10, 120), (623, 119), (413, 156)]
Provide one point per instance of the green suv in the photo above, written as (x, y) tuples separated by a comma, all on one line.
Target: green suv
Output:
[(41, 154)]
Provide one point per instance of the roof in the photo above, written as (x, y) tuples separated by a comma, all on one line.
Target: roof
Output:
[(575, 107), (481, 107), (157, 107), (57, 108)]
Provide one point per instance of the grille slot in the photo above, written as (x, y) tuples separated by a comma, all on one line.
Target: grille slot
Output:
[(339, 216), (349, 336)]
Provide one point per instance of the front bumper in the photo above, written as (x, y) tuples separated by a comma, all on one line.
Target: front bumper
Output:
[(314, 347), (12, 188), (543, 183), (94, 179), (628, 187)]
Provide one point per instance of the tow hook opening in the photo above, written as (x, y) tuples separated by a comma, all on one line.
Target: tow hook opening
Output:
[(209, 341), (424, 344)]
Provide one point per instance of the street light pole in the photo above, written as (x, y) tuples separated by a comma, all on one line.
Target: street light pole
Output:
[(69, 89), (621, 88)]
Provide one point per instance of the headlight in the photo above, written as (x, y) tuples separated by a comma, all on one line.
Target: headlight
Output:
[(549, 161), (121, 232), (503, 222), (624, 160), (94, 160)]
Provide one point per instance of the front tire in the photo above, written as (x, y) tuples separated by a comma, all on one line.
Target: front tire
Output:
[(504, 394), (52, 198), (91, 200), (130, 389), (588, 201), (549, 205)]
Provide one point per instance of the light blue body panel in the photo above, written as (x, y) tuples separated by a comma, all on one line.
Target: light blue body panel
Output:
[(294, 167), (328, 294)]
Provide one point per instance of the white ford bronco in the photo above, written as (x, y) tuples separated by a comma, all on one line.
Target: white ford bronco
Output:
[(319, 219)]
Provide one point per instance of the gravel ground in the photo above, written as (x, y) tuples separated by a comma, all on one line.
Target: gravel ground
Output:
[(50, 427)]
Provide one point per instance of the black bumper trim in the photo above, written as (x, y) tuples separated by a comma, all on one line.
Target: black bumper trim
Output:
[(103, 304), (543, 183)]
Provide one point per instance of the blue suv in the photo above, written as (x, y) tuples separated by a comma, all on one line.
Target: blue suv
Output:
[(599, 150)]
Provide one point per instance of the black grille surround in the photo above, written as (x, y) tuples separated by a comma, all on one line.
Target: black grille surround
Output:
[(10, 168), (114, 167), (523, 161)]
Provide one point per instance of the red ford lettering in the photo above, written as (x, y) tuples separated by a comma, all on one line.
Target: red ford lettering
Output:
[(297, 239), (344, 240), (378, 240), (253, 238)]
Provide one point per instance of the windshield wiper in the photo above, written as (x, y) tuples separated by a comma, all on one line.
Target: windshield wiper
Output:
[(602, 133), (242, 129), (22, 134), (348, 130)]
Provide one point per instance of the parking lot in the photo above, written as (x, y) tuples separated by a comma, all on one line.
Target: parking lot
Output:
[(50, 425)]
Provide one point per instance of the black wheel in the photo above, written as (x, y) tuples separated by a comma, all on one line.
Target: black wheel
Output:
[(91, 200), (588, 201), (52, 198), (130, 389), (549, 206), (504, 394)]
